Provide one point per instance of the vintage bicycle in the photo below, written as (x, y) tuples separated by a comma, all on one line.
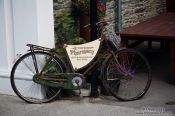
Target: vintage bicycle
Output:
[(39, 75)]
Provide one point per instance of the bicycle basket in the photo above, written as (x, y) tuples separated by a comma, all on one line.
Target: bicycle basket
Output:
[(111, 36)]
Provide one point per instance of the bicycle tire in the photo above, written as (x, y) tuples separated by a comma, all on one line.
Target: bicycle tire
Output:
[(126, 79), (23, 72)]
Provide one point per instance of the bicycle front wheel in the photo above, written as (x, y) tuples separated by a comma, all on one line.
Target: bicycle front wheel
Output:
[(127, 75), (23, 72)]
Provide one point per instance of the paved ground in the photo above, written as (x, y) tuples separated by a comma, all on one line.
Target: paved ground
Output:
[(153, 103)]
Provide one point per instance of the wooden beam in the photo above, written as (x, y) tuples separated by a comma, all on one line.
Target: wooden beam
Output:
[(172, 60)]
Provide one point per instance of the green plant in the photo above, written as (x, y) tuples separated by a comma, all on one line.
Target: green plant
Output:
[(84, 6), (76, 41), (64, 27), (73, 41)]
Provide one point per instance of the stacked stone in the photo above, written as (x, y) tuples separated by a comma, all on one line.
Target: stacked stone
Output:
[(135, 11), (61, 5), (110, 13)]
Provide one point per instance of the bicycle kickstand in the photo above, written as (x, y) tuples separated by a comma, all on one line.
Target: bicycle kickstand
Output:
[(77, 82)]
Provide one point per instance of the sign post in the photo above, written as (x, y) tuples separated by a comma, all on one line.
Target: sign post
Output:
[(93, 21)]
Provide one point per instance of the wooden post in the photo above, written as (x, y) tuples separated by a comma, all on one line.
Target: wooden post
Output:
[(124, 42), (93, 19), (172, 61), (170, 5)]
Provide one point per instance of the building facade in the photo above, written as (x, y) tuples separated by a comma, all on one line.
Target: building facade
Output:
[(22, 22), (31, 21)]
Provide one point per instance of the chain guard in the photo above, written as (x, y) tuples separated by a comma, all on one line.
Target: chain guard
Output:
[(61, 80)]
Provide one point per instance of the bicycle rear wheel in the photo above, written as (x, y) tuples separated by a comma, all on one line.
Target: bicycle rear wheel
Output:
[(127, 75), (23, 72)]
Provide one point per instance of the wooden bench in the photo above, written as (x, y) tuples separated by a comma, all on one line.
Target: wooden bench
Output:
[(159, 28)]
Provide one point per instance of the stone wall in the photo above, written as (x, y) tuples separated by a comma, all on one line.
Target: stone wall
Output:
[(135, 11), (110, 11), (61, 5)]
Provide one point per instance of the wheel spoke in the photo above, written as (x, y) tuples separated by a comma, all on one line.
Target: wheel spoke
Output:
[(31, 91), (28, 67), (131, 71)]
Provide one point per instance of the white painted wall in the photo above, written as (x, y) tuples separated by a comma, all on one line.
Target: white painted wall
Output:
[(25, 24), (33, 23), (2, 35), (45, 23), (6, 34), (22, 22)]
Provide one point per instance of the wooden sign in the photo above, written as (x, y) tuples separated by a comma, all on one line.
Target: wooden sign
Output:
[(81, 55)]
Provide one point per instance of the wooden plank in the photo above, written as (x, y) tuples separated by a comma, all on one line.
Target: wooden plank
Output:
[(124, 43), (170, 5), (162, 26)]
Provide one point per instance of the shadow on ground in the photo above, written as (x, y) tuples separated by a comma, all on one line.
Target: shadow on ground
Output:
[(152, 104)]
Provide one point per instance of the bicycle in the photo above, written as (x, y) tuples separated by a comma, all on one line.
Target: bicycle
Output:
[(39, 75)]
